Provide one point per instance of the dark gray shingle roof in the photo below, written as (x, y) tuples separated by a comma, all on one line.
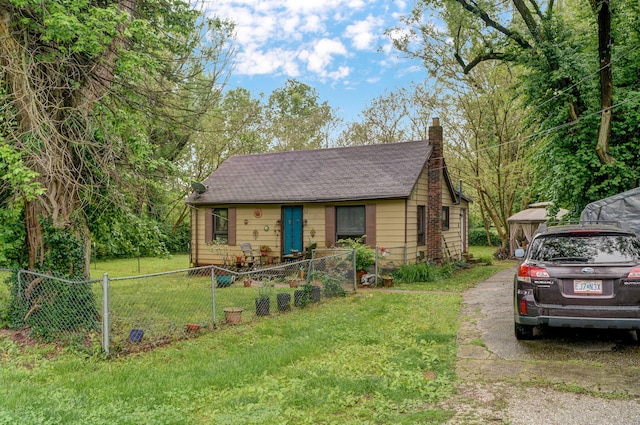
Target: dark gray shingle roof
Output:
[(359, 172)]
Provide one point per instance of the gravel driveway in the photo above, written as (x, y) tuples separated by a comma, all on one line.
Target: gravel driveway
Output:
[(561, 377)]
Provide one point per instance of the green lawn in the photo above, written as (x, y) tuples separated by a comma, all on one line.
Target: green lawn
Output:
[(373, 358)]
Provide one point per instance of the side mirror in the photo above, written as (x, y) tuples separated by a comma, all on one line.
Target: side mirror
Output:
[(519, 253)]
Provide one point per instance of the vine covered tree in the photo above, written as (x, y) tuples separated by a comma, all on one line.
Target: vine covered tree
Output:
[(95, 97)]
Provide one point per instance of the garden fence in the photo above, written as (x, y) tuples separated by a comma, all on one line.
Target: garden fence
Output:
[(127, 314)]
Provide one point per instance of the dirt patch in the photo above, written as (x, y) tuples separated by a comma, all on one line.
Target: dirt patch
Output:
[(19, 337)]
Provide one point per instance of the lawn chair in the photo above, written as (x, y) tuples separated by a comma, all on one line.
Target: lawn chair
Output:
[(250, 258)]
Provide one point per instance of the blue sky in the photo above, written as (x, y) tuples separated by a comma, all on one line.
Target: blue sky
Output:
[(336, 46)]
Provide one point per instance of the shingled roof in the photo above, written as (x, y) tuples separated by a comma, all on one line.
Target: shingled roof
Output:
[(386, 171)]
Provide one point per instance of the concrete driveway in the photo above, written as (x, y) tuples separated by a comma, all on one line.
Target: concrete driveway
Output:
[(560, 377)]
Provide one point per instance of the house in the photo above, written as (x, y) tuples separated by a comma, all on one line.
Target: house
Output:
[(394, 194)]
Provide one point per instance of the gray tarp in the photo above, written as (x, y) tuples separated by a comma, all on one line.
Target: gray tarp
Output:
[(623, 208)]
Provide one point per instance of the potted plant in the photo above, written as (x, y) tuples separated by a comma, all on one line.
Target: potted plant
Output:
[(238, 261), (264, 299), (365, 255), (264, 250), (233, 315), (302, 297), (284, 301)]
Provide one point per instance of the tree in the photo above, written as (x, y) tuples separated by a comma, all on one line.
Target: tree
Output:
[(396, 116), (82, 80), (490, 147), (553, 42), (296, 119)]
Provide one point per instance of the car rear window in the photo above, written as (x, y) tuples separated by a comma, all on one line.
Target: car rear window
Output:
[(585, 248)]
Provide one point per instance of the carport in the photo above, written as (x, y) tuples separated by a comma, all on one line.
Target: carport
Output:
[(523, 225), (621, 208)]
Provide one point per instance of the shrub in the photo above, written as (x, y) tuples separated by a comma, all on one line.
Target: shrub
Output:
[(365, 255), (331, 284), (50, 305), (478, 237)]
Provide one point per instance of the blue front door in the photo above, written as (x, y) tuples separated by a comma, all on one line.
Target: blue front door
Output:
[(291, 229)]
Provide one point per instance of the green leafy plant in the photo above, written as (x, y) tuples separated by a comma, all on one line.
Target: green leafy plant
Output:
[(331, 284), (303, 298), (365, 255), (49, 305), (265, 290)]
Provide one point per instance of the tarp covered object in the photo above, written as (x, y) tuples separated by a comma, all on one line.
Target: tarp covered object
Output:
[(622, 208)]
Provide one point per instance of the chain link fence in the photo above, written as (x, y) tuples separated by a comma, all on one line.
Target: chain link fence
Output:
[(388, 260), (141, 312)]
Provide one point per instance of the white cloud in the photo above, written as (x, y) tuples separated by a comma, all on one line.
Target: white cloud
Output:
[(364, 33), (321, 56), (254, 62), (295, 37)]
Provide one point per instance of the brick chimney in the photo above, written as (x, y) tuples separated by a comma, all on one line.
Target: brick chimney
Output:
[(435, 166)]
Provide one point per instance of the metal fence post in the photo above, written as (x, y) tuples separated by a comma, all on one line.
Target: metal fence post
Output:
[(213, 294), (375, 271), (355, 278), (105, 313)]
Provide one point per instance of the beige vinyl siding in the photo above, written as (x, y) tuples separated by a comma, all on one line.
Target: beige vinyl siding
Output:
[(254, 232), (314, 229), (418, 197), (390, 223), (453, 236)]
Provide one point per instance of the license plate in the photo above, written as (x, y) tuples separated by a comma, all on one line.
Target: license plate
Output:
[(587, 286)]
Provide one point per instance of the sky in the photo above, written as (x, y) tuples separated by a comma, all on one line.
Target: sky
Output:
[(337, 47)]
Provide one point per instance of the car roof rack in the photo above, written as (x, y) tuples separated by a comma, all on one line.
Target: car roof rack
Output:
[(582, 223)]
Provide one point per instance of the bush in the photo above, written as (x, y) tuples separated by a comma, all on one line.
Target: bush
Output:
[(478, 237), (423, 272), (365, 255), (49, 305)]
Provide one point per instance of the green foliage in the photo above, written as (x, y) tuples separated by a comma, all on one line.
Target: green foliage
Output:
[(49, 305), (297, 119), (422, 272), (478, 237), (331, 284), (12, 235), (365, 255), (304, 298)]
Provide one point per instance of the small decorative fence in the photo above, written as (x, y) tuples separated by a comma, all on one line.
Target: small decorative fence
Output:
[(140, 312)]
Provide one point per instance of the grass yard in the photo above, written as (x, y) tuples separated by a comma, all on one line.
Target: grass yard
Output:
[(373, 358)]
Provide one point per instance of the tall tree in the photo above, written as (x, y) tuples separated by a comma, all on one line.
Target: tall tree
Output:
[(490, 149), (568, 82), (82, 79), (296, 119), (396, 116)]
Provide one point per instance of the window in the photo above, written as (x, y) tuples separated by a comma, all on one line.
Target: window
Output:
[(350, 222), (445, 218), (221, 225), (422, 237)]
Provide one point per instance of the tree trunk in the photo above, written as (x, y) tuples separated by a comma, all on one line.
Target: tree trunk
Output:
[(601, 7)]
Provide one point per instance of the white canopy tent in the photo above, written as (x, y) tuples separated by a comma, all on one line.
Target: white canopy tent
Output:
[(523, 225)]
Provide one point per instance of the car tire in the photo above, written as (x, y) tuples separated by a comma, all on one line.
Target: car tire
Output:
[(523, 332)]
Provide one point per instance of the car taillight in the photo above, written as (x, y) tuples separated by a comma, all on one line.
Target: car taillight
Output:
[(527, 271), (523, 306), (634, 273)]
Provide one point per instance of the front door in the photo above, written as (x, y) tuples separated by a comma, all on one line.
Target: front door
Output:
[(291, 229)]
